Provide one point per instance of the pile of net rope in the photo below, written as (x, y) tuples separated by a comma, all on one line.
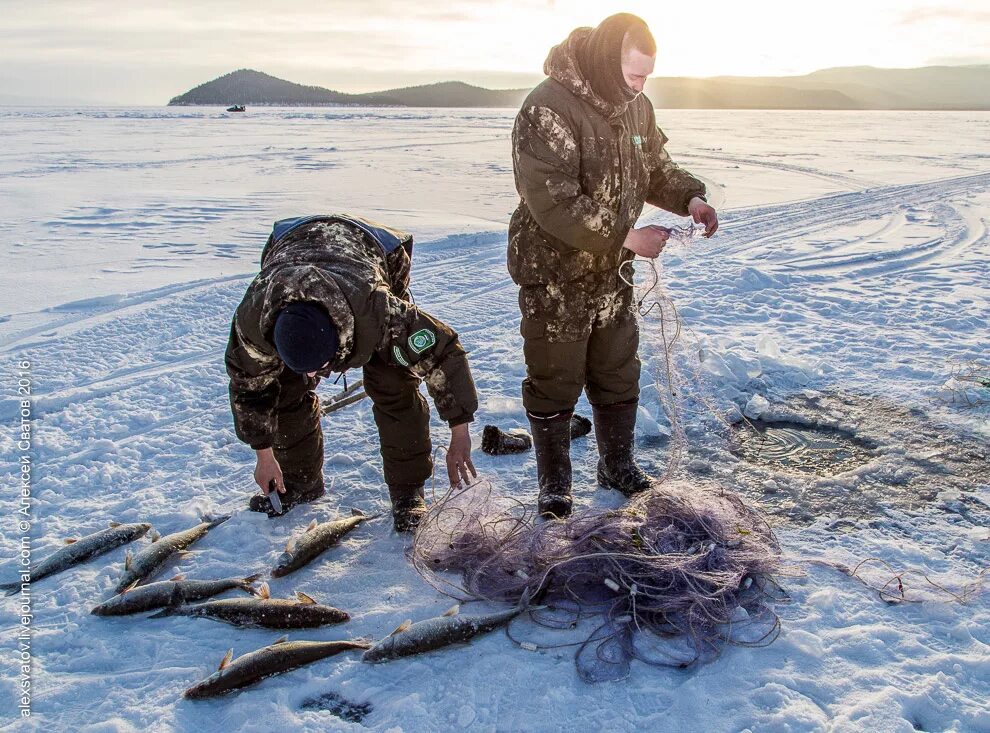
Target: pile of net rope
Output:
[(669, 578), (684, 562)]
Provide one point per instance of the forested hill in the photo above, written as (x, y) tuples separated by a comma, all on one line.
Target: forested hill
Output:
[(256, 88), (861, 87)]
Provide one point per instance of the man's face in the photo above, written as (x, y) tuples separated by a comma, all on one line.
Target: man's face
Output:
[(636, 67), (313, 374)]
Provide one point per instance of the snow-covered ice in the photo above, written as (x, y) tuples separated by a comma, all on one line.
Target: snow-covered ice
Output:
[(849, 275)]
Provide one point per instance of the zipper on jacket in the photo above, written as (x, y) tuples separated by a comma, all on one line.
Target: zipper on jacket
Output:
[(619, 142)]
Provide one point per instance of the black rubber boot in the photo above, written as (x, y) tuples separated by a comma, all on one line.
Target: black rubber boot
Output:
[(496, 442), (615, 427), (408, 506), (293, 495), (552, 439)]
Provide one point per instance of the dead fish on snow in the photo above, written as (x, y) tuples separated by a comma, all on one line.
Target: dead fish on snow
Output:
[(435, 633), (81, 550), (265, 612), (315, 540), (280, 657), (169, 592), (150, 560)]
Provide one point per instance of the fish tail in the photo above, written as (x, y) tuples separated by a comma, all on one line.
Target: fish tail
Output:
[(215, 521), (246, 583), (367, 517), (10, 589)]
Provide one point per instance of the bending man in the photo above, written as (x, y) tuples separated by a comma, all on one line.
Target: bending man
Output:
[(332, 294)]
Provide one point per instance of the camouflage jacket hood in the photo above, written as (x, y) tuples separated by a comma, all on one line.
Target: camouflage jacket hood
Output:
[(562, 64), (365, 292), (584, 169)]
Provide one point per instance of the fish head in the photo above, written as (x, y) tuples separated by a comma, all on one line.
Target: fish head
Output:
[(379, 651), (202, 689), (335, 616), (282, 565)]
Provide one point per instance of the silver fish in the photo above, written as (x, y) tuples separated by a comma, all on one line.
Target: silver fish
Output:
[(435, 633), (169, 592), (316, 539), (81, 550), (150, 560), (280, 657), (301, 612)]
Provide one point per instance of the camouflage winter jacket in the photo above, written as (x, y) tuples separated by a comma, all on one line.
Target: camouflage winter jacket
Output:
[(341, 264), (584, 168)]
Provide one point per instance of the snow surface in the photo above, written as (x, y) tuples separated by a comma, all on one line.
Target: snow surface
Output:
[(852, 261)]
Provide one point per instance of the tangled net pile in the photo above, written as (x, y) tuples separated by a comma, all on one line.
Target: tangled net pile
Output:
[(671, 577)]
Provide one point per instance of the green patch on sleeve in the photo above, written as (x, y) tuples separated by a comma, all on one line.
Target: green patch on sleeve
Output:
[(422, 340), (399, 356)]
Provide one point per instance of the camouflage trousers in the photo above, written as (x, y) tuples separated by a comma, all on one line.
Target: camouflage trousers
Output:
[(403, 420), (298, 445), (581, 335), (401, 414)]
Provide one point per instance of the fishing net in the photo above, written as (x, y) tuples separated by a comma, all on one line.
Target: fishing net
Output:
[(672, 352), (669, 578), (673, 576)]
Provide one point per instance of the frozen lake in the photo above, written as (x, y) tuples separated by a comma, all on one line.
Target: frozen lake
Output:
[(848, 282), (149, 196)]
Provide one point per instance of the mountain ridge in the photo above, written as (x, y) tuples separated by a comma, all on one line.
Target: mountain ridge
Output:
[(855, 87)]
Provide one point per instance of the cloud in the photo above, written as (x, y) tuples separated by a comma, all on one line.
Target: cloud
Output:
[(378, 34), (151, 50), (959, 15), (968, 60), (107, 49)]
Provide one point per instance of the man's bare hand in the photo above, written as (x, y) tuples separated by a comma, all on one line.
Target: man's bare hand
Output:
[(702, 213), (646, 241), (459, 456), (268, 470)]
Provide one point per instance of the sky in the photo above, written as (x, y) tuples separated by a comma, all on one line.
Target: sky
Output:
[(112, 51)]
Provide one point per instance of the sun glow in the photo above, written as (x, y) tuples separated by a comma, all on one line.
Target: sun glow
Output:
[(161, 48)]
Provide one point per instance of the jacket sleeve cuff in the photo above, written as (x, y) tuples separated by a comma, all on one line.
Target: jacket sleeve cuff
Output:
[(460, 420), (694, 195), (261, 444)]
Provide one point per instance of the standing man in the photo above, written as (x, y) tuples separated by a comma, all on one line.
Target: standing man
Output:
[(587, 154), (332, 294)]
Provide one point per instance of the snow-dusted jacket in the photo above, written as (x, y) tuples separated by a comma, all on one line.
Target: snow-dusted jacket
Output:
[(583, 169), (341, 264)]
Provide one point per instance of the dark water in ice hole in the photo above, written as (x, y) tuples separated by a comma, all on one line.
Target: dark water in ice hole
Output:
[(801, 470), (789, 446), (338, 706)]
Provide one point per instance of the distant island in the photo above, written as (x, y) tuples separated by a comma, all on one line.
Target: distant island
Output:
[(849, 88)]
